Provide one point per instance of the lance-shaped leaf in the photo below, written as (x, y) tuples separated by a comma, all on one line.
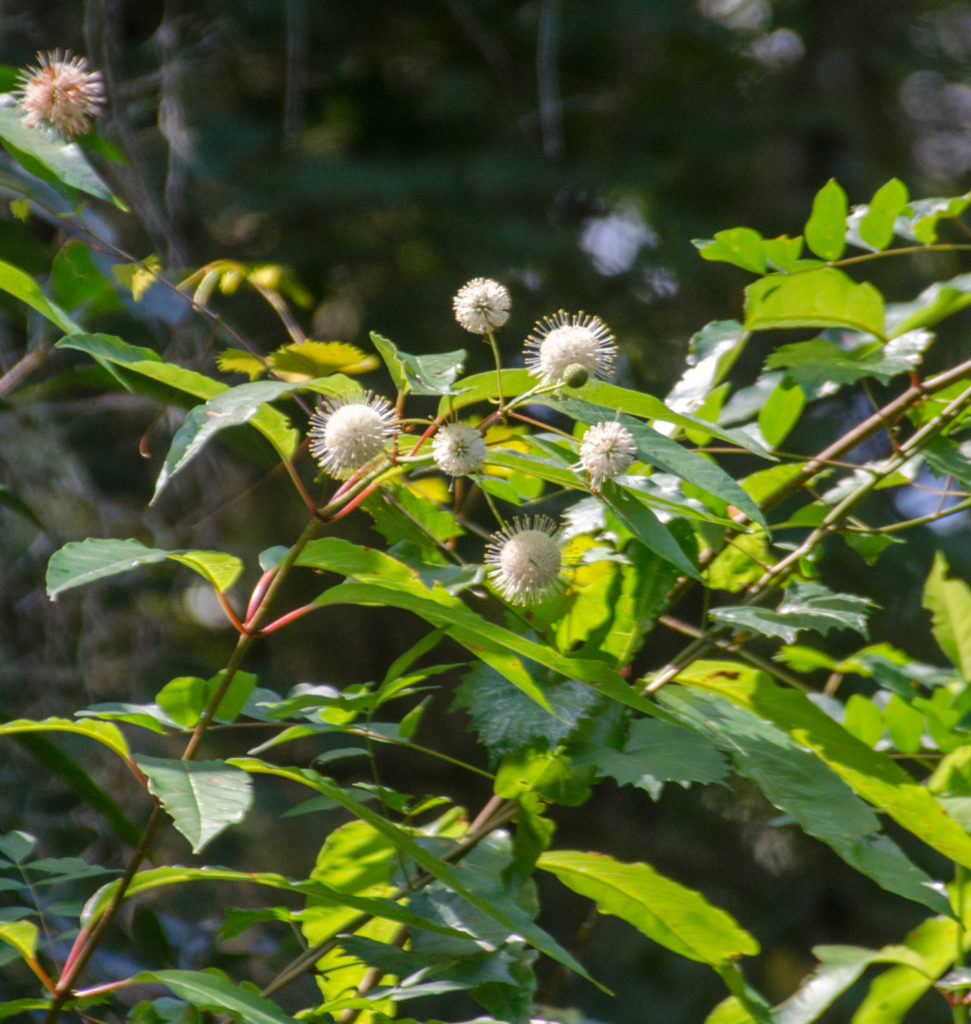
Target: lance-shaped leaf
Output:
[(871, 774), (663, 910), (23, 287), (143, 362), (48, 156), (806, 606), (802, 786), (203, 797), (230, 408), (825, 297), (103, 732), (84, 561), (507, 913), (314, 889), (212, 990)]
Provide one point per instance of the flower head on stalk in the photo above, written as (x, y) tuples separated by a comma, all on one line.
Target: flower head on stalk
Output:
[(346, 435), (60, 91), (563, 341), (459, 449), (482, 305), (607, 450), (525, 559)]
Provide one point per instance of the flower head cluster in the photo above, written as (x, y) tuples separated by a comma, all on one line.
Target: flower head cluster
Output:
[(607, 450), (525, 559), (346, 436), (563, 341), (482, 305), (459, 449), (60, 91)]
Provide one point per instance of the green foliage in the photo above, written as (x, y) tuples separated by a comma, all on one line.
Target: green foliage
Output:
[(555, 573)]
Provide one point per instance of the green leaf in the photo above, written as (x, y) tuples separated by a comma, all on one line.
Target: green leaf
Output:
[(103, 732), (781, 412), (230, 408), (783, 252), (647, 529), (212, 990), (741, 246), (657, 752), (805, 606), (506, 913), (802, 786), (814, 364), (306, 360), (877, 225), (926, 213), (670, 914), (424, 375), (507, 719), (825, 297), (23, 287), (203, 797), (937, 301), (826, 228), (220, 569), (82, 562), (106, 348), (47, 155), (22, 935), (949, 602), (316, 891), (905, 725), (483, 387), (871, 774)]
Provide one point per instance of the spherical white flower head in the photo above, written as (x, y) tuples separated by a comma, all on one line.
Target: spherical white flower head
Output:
[(60, 91), (482, 305), (346, 436), (525, 559), (459, 449), (607, 450), (563, 341)]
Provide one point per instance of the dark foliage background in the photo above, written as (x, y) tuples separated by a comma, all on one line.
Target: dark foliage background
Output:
[(387, 152)]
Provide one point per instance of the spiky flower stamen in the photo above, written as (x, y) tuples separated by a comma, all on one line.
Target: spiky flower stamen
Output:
[(482, 305), (60, 91), (459, 449), (346, 436), (607, 450), (565, 342), (525, 559)]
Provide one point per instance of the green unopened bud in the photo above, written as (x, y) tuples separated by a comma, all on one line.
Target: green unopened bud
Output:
[(575, 375)]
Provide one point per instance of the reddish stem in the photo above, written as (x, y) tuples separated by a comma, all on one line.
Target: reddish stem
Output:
[(432, 427), (231, 614), (258, 591), (283, 620)]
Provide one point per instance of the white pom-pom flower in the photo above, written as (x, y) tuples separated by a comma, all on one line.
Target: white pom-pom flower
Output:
[(459, 449), (607, 450), (525, 559), (60, 91), (482, 305), (564, 341), (346, 436)]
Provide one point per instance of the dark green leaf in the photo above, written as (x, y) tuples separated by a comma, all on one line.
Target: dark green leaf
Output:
[(212, 990), (424, 375)]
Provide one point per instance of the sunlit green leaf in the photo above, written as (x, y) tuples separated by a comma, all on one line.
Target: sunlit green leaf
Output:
[(781, 412), (103, 732), (203, 797), (22, 935), (871, 774), (212, 990), (825, 297), (949, 602), (877, 225), (741, 246), (23, 287), (433, 374), (826, 228), (670, 914)]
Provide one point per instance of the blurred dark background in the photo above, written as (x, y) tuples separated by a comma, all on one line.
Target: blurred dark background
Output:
[(386, 153)]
